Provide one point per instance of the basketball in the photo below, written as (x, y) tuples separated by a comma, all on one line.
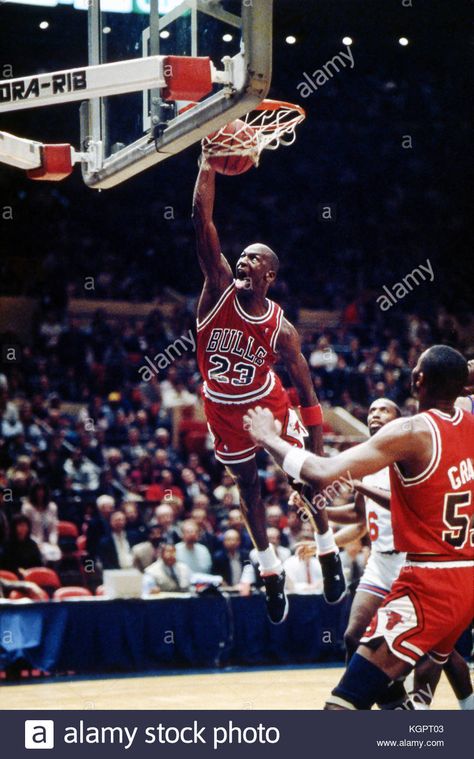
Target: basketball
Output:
[(224, 143)]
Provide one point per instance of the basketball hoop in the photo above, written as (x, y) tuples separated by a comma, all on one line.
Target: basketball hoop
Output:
[(271, 124)]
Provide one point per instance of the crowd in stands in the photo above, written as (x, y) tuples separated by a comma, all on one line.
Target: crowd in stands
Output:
[(85, 440), (124, 456)]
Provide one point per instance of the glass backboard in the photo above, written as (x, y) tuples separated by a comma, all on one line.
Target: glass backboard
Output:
[(139, 129)]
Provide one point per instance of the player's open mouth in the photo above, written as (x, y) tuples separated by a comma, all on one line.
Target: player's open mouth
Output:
[(242, 280)]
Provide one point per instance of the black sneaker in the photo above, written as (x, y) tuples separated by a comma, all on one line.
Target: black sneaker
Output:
[(333, 578), (275, 596)]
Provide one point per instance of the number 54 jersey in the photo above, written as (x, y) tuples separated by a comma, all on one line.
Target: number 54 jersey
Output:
[(433, 513)]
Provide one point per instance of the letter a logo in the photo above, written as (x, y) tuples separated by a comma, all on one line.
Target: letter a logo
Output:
[(39, 733)]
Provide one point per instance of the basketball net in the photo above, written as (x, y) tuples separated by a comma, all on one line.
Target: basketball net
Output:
[(270, 125)]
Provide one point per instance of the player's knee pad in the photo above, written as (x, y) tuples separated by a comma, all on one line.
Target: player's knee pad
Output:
[(361, 685)]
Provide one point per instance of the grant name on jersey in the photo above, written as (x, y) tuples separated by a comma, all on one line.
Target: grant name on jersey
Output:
[(232, 341), (460, 475)]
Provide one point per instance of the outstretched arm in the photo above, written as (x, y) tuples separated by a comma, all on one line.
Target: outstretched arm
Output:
[(396, 442), (216, 269), (289, 348)]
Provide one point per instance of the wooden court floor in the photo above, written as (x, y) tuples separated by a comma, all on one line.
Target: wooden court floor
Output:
[(283, 688)]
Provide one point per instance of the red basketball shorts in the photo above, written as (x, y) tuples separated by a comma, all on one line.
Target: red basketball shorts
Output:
[(233, 444), (428, 608)]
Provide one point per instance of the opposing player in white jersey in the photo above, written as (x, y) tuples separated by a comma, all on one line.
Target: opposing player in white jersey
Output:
[(370, 513)]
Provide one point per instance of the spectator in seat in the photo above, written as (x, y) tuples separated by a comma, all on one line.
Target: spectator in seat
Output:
[(10, 424), (227, 486), (99, 525), (167, 574), (43, 515), (177, 395), (163, 441), (191, 486), (136, 528), (303, 575), (83, 474), (275, 519), (115, 551), (292, 531), (220, 511), (164, 516), (148, 552), (23, 472), (115, 463), (194, 463), (229, 561), (163, 487), (323, 355), (206, 533), (191, 552), (235, 521), (134, 449), (21, 551)]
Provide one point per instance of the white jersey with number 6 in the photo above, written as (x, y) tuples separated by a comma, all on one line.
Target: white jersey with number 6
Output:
[(379, 520)]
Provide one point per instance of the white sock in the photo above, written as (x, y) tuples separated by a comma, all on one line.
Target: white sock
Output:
[(467, 704), (269, 563), (325, 543)]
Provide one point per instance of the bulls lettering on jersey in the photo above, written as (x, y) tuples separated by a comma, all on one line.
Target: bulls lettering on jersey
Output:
[(434, 511), (236, 350), (379, 520)]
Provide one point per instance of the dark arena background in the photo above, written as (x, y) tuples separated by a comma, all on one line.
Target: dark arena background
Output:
[(95, 285)]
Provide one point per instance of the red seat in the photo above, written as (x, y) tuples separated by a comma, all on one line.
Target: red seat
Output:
[(70, 592), (42, 576), (100, 591), (16, 594), (6, 575), (67, 530)]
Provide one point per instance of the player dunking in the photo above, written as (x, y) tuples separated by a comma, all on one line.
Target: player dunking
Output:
[(239, 334), (432, 502)]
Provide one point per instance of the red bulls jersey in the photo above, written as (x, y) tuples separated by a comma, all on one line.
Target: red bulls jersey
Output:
[(236, 350), (434, 511)]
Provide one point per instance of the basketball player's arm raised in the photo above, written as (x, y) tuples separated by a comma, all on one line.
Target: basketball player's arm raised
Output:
[(214, 266), (408, 444), (289, 348)]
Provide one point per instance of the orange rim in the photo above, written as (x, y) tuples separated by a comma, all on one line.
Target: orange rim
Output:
[(275, 105)]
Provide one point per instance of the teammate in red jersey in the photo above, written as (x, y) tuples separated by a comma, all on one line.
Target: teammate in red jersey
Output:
[(432, 483), (239, 334)]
